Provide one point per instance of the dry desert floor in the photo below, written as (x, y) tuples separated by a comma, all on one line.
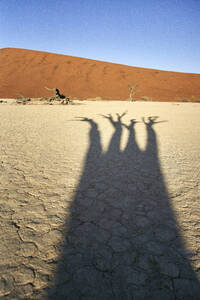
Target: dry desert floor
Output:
[(100, 200)]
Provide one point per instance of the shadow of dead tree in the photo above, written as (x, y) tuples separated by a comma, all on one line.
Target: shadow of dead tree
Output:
[(122, 239)]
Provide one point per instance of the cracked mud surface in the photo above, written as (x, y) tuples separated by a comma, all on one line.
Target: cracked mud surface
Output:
[(95, 205)]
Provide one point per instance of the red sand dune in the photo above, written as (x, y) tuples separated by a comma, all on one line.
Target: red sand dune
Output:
[(28, 72)]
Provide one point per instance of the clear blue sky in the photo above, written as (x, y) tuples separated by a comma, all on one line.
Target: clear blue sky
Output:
[(161, 34)]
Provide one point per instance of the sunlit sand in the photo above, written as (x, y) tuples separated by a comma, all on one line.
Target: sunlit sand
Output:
[(49, 156)]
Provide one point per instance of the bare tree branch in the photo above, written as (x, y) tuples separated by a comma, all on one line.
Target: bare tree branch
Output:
[(49, 89)]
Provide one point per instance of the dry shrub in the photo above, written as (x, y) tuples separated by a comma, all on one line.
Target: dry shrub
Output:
[(146, 98), (94, 99), (180, 99)]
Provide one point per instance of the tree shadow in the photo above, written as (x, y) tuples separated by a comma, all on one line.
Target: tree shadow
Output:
[(122, 239)]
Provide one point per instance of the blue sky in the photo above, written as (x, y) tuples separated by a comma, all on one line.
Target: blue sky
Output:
[(160, 34)]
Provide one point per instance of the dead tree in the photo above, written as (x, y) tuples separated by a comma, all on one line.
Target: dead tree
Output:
[(58, 96), (132, 88)]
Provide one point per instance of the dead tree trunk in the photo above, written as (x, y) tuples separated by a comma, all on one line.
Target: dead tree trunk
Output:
[(132, 88), (58, 96)]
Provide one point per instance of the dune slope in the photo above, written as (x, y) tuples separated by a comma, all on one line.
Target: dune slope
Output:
[(28, 72)]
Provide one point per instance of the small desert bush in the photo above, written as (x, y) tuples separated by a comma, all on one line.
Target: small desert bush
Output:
[(146, 98), (180, 99), (198, 100), (94, 99)]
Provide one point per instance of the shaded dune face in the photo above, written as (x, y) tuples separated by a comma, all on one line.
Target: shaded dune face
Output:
[(122, 239), (28, 72)]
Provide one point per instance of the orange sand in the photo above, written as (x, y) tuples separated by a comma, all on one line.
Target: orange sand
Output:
[(27, 72)]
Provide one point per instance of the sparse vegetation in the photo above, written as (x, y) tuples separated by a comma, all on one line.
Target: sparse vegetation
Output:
[(56, 99), (22, 100), (94, 99), (58, 96), (3, 101), (146, 98), (181, 99)]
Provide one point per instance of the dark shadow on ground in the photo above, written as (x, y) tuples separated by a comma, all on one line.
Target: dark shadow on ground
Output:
[(122, 240)]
